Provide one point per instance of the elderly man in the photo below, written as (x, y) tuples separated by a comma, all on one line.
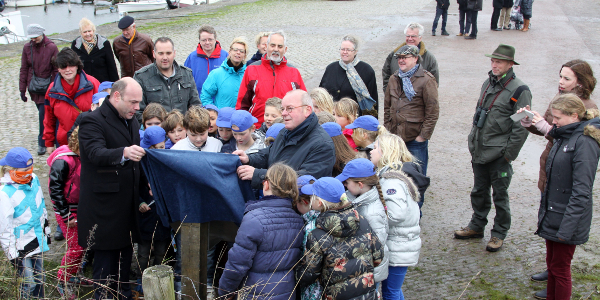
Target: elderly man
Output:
[(261, 45), (166, 82), (273, 77), (132, 49), (110, 176), (303, 144), (494, 142), (207, 57), (414, 34)]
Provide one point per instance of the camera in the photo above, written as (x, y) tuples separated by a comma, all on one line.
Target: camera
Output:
[(480, 116)]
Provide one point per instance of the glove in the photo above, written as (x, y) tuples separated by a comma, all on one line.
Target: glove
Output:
[(23, 97)]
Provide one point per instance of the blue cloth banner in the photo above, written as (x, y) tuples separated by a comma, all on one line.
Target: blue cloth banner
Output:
[(195, 186)]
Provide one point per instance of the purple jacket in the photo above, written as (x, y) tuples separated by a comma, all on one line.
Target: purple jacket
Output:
[(42, 58), (267, 247)]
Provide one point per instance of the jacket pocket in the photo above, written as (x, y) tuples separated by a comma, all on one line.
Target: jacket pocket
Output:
[(498, 131), (110, 187), (154, 93), (554, 216), (413, 126), (185, 90)]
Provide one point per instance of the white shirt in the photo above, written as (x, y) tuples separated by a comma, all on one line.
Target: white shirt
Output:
[(211, 145)]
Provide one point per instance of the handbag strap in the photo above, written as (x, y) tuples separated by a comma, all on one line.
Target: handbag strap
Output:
[(32, 66)]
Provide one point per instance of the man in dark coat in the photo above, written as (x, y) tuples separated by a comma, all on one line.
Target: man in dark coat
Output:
[(132, 49), (302, 144), (110, 175), (473, 9)]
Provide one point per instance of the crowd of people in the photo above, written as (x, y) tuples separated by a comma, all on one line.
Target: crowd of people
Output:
[(338, 195)]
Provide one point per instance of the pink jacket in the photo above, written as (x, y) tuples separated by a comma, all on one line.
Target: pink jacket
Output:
[(64, 182)]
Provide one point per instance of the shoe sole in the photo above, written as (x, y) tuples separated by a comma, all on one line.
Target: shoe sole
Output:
[(490, 249), (538, 297), (538, 280), (466, 237)]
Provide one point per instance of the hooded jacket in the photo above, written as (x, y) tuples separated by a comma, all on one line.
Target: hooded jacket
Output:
[(100, 62), (135, 55), (342, 253), (567, 204), (64, 182), (428, 62), (64, 110), (266, 249), (202, 64), (263, 81), (369, 207), (43, 53), (222, 85)]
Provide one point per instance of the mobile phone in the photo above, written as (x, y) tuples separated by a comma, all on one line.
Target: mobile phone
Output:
[(518, 116)]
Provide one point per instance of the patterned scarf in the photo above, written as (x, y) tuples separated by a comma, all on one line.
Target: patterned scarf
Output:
[(89, 46), (407, 86), (365, 101)]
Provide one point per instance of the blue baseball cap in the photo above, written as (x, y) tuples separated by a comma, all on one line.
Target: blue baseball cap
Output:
[(304, 180), (152, 136), (211, 106), (365, 122), (97, 96), (17, 157), (224, 118), (332, 128), (274, 130), (105, 85), (326, 188), (242, 120), (357, 168)]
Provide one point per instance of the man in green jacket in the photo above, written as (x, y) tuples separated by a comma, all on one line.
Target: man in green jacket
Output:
[(494, 142)]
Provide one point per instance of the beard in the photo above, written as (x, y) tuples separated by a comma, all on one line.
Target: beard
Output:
[(275, 57)]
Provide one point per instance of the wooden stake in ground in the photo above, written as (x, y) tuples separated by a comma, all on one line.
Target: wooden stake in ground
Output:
[(157, 282)]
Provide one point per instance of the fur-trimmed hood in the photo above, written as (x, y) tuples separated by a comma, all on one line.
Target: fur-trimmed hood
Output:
[(593, 131)]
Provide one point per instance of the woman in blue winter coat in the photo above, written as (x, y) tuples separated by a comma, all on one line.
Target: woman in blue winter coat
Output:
[(222, 85), (268, 243)]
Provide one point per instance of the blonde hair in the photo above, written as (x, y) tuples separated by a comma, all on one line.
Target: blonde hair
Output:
[(325, 117), (347, 108), (326, 205), (74, 140), (260, 36), (569, 104), (322, 99), (6, 168), (242, 41), (196, 119), (393, 151), (173, 119), (358, 133), (274, 102), (84, 22), (283, 181)]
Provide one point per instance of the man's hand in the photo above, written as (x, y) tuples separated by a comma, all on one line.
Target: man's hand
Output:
[(144, 207), (72, 223), (134, 153), (243, 157), (49, 150), (420, 139), (245, 172), (23, 97)]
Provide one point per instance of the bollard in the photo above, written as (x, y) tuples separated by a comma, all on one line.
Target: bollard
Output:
[(157, 282)]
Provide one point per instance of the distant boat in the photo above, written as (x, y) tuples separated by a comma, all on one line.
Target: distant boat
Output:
[(24, 3), (144, 5), (11, 28)]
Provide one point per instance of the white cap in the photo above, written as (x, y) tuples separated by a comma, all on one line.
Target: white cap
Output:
[(34, 30)]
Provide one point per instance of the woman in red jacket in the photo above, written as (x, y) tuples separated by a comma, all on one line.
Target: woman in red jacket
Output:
[(69, 95)]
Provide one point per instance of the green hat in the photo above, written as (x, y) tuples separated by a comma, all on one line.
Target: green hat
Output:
[(504, 52)]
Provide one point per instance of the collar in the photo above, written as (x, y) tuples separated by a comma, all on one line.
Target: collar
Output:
[(215, 54)]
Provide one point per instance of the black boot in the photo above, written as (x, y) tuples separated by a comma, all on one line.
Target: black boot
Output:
[(444, 32), (540, 294), (540, 276)]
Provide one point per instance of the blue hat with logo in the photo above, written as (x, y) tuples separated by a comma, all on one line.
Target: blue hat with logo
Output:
[(105, 85), (357, 168), (211, 106), (365, 122), (152, 136), (304, 180), (17, 157), (242, 120), (326, 188), (224, 118), (97, 96), (274, 130), (332, 128)]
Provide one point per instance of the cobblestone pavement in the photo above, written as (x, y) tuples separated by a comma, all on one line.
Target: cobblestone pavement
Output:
[(314, 29)]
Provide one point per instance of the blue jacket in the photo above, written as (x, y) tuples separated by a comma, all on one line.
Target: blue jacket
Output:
[(267, 247), (222, 86), (201, 64)]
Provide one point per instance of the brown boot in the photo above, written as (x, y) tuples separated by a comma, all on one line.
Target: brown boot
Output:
[(467, 233), (525, 26), (494, 244)]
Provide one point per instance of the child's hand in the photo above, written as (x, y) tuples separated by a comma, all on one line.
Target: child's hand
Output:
[(144, 207), (72, 223)]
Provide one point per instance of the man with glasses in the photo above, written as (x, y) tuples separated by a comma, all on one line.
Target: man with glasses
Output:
[(273, 77), (303, 144), (132, 49), (166, 82), (414, 33), (207, 57)]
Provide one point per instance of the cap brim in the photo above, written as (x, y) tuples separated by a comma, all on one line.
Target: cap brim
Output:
[(223, 124), (3, 162), (342, 177), (307, 189), (144, 145), (32, 36), (351, 126), (498, 57)]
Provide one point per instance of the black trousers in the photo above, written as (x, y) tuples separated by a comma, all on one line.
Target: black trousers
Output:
[(111, 273), (495, 17), (472, 19)]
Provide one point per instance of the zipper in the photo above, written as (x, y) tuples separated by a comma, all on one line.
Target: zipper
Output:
[(69, 193)]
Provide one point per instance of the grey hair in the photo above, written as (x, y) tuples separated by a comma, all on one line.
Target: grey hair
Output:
[(307, 100), (415, 25), (278, 32), (352, 39)]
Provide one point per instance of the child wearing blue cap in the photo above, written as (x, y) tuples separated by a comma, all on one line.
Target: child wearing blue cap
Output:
[(401, 196), (272, 112), (272, 133), (224, 127), (366, 129), (242, 125), (196, 122), (364, 191), (268, 242), (342, 250), (105, 86), (24, 231), (173, 126), (153, 138), (343, 152)]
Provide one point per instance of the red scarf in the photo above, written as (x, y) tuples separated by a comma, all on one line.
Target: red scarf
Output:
[(21, 177), (70, 89), (215, 54)]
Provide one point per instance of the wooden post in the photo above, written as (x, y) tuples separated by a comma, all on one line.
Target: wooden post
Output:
[(157, 282), (69, 5), (194, 248)]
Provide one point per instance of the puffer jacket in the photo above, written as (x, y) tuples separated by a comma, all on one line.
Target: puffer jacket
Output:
[(64, 110), (222, 85), (404, 241), (369, 207), (134, 56), (567, 204), (428, 62), (100, 62), (24, 227), (267, 246), (202, 64), (342, 253), (64, 182), (43, 53), (526, 6), (263, 81)]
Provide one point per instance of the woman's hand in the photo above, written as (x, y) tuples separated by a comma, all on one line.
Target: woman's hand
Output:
[(536, 117)]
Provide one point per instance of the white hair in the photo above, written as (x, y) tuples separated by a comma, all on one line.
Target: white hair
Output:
[(280, 33), (415, 25), (352, 39)]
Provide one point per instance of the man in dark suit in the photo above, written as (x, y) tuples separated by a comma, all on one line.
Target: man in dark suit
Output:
[(110, 176)]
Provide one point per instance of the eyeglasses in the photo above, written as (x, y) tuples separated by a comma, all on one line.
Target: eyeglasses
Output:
[(412, 36), (207, 40), (238, 50), (289, 109), (346, 50), (404, 57)]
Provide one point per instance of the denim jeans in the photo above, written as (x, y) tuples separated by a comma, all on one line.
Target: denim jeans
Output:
[(41, 114), (472, 20), (31, 269), (420, 151), (440, 12), (391, 288)]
